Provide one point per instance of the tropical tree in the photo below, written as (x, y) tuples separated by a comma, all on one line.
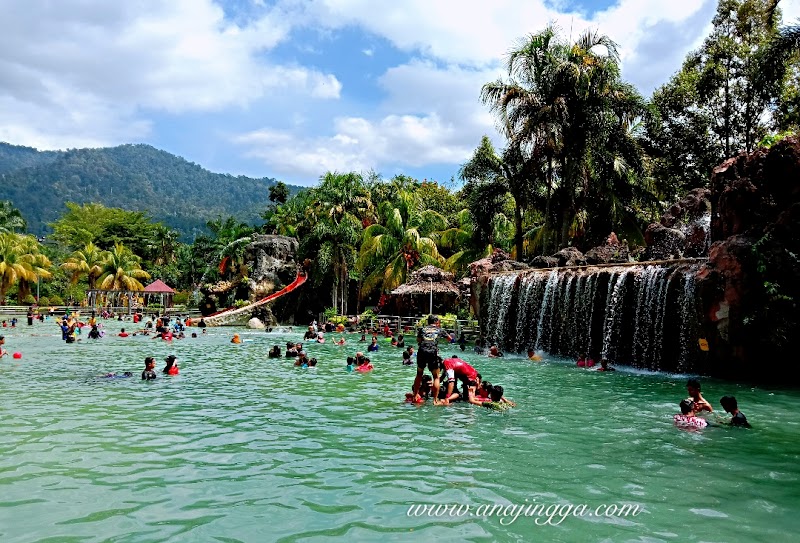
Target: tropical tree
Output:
[(88, 261), (11, 219), (403, 239), (122, 270), (740, 85), (20, 261), (558, 108), (509, 170), (459, 239), (227, 246), (340, 207)]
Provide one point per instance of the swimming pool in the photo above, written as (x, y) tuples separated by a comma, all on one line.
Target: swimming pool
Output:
[(242, 448)]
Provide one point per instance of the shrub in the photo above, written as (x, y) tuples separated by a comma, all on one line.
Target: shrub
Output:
[(241, 303), (181, 298), (44, 301), (56, 300), (28, 300)]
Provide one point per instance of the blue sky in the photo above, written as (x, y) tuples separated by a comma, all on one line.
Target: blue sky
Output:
[(293, 88)]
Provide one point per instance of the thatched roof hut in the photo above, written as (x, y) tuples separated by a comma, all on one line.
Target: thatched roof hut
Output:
[(426, 280)]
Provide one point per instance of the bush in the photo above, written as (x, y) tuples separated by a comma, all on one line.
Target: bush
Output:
[(367, 315), (329, 313), (241, 303), (28, 300), (44, 301), (56, 300), (181, 298)]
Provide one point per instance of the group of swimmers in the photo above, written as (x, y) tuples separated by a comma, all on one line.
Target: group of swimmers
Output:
[(695, 404)]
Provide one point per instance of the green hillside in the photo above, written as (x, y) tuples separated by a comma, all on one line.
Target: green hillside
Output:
[(138, 177)]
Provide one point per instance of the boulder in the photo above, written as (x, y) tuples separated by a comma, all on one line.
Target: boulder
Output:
[(544, 262), (255, 324), (570, 256), (610, 253), (664, 243)]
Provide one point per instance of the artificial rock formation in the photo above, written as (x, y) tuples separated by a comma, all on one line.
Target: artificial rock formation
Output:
[(749, 287), (684, 229), (272, 264)]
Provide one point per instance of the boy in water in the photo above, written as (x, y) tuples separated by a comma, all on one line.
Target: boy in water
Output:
[(3, 352), (730, 405), (700, 403), (149, 373)]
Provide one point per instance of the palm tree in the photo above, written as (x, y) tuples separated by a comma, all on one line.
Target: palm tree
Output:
[(10, 218), (562, 103), (231, 239), (88, 261), (340, 206), (460, 240), (403, 239), (122, 270), (20, 261)]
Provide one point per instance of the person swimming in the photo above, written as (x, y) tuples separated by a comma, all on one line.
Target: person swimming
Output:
[(364, 365), (275, 352), (351, 362), (172, 366), (687, 417), (604, 366), (236, 339), (533, 356), (730, 405), (149, 374)]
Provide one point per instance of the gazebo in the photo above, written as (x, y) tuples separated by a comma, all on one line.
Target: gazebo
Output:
[(160, 289), (427, 281)]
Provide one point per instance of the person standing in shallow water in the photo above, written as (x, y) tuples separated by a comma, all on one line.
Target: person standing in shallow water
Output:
[(149, 373), (700, 403)]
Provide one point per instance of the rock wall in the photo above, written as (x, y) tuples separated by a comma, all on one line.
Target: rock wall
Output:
[(272, 264), (749, 287)]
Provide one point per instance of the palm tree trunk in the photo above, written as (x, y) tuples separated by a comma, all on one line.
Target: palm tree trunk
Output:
[(518, 230), (546, 240)]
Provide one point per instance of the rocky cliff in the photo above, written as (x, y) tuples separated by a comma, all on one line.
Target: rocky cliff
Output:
[(749, 288)]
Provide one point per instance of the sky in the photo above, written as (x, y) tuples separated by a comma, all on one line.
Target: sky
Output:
[(292, 89)]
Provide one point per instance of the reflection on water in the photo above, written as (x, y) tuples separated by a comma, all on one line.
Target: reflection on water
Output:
[(242, 448)]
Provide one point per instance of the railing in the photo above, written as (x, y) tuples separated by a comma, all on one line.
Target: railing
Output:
[(17, 310), (408, 325)]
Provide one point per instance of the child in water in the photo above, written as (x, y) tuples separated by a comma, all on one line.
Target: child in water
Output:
[(364, 365), (687, 418), (149, 374), (236, 339), (730, 405), (172, 366), (350, 364)]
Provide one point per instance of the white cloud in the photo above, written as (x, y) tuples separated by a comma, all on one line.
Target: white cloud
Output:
[(430, 115), (70, 65)]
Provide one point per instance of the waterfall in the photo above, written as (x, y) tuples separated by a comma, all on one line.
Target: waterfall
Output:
[(644, 315), (546, 308), (502, 293)]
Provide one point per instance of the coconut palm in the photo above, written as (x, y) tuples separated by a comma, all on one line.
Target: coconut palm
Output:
[(460, 240), (404, 238), (20, 261), (88, 261), (122, 270)]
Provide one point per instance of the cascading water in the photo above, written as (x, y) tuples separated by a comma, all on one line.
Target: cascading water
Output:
[(644, 315)]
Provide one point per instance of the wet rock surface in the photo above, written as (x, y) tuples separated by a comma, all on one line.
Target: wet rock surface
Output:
[(749, 287)]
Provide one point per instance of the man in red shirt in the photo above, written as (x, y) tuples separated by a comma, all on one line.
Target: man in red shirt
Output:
[(456, 368)]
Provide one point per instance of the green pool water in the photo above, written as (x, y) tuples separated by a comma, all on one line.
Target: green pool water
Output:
[(242, 448)]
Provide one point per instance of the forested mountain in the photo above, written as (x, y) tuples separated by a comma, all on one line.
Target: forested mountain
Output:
[(138, 177), (15, 157)]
